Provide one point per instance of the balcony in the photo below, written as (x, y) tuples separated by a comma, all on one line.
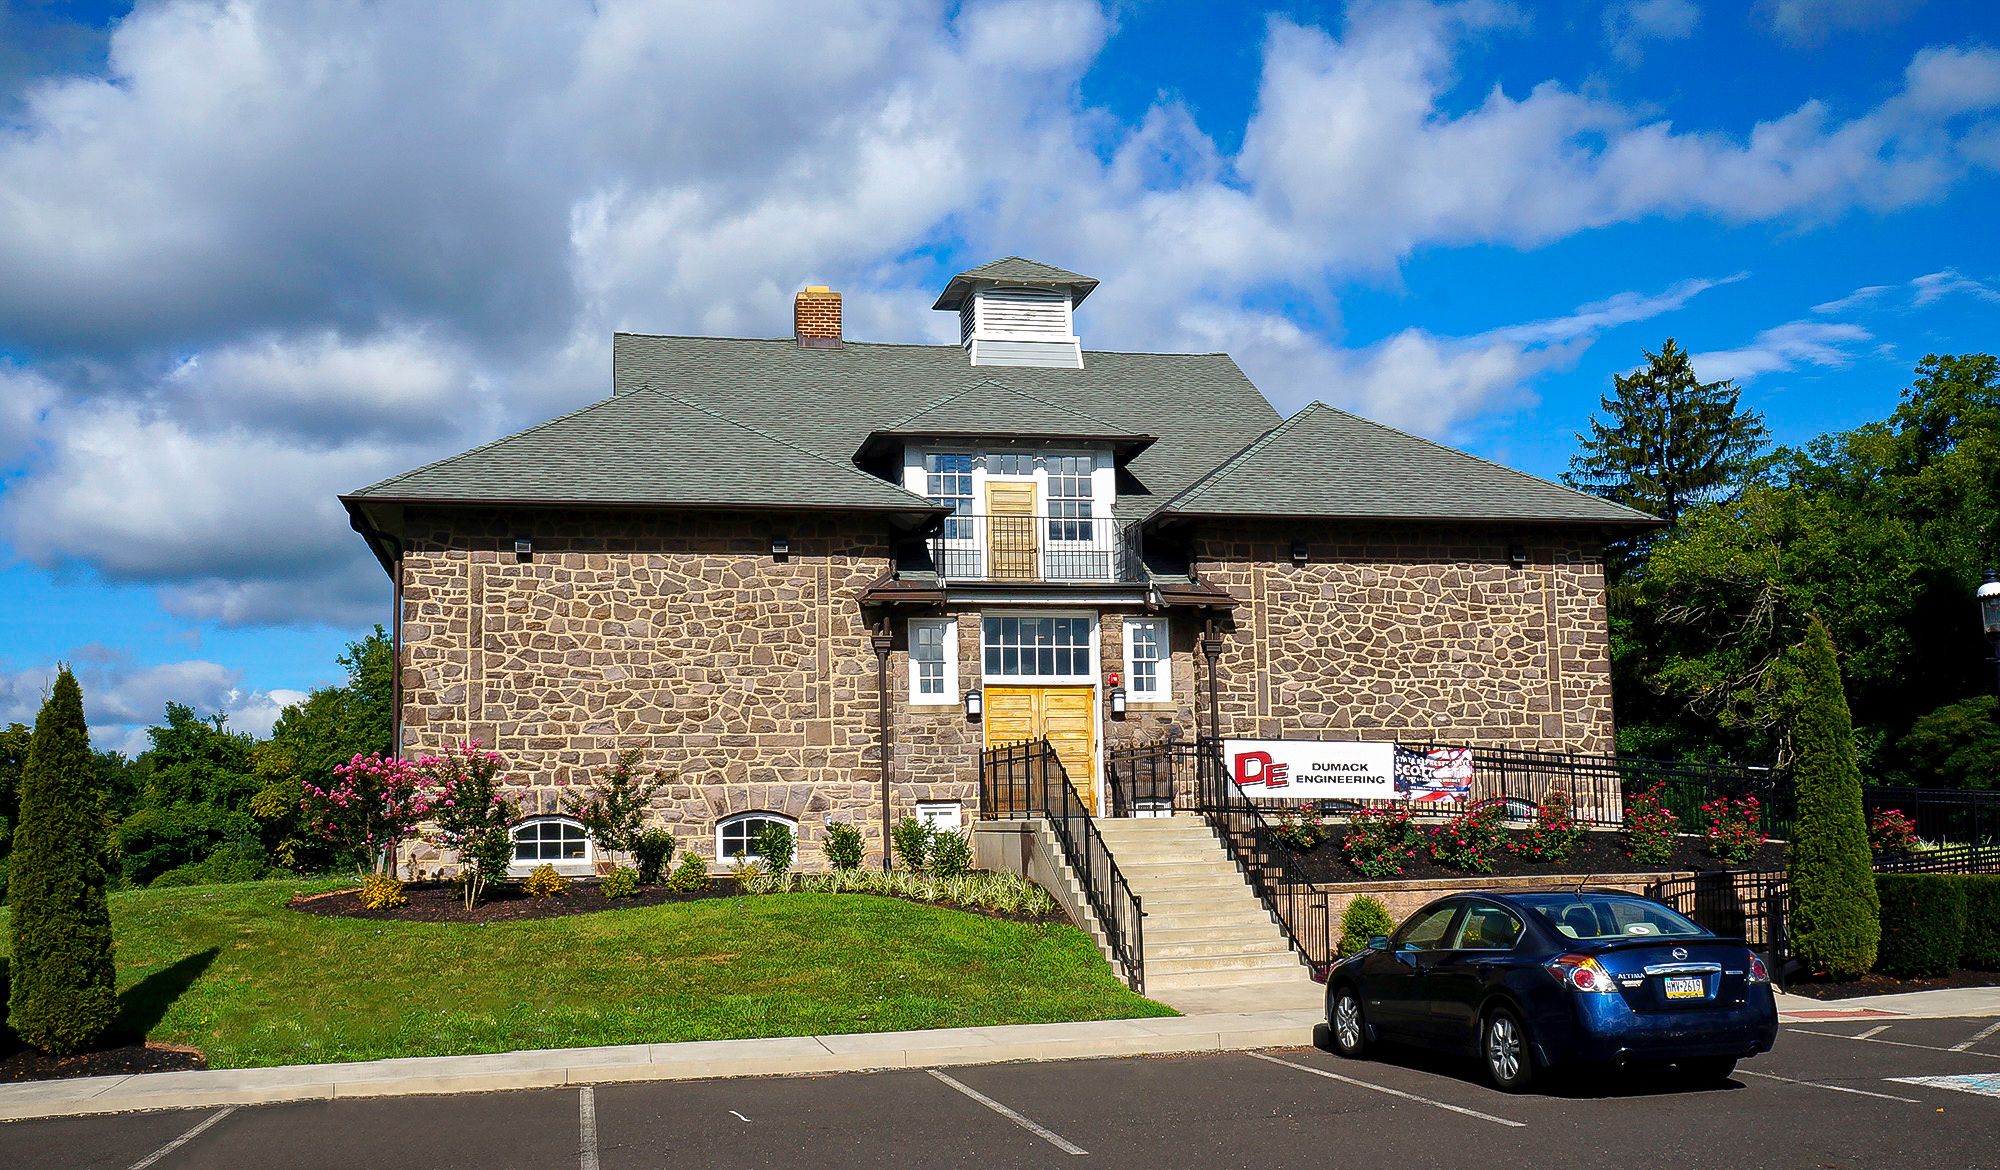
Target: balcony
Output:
[(1023, 547)]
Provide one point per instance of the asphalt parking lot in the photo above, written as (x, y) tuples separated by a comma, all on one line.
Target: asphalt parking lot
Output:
[(1911, 1093)]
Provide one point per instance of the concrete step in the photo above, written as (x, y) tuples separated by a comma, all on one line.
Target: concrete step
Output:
[(1205, 873), (1151, 853), (1174, 929), (1228, 968), (1254, 917), (1213, 949), (1173, 903)]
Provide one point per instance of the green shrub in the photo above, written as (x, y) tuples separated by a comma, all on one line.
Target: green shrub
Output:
[(545, 882), (1650, 826), (775, 846), (1923, 924), (379, 891), (236, 861), (652, 849), (1380, 840), (1300, 830), (1982, 922), (951, 854), (912, 838), (622, 882), (1836, 915), (1469, 840), (842, 845), (1365, 918), (64, 994), (158, 838), (1733, 830), (690, 874), (1554, 833)]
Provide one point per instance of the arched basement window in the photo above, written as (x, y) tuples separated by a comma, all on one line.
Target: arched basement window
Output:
[(557, 841), (736, 837)]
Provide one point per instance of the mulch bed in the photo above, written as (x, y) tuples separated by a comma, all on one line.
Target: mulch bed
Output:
[(1595, 853), (120, 1054), (441, 902), (1875, 984)]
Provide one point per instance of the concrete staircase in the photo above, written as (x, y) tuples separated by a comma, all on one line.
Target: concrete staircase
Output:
[(1210, 945)]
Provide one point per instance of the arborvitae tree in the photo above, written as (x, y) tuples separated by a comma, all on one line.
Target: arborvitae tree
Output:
[(1836, 916), (65, 992), (1671, 442)]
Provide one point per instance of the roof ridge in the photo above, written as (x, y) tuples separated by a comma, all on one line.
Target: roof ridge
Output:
[(1221, 470), (764, 434), (492, 443), (850, 343)]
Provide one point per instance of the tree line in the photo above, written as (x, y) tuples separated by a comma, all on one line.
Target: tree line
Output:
[(1881, 533)]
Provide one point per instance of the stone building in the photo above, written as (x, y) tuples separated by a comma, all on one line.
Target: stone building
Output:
[(753, 551)]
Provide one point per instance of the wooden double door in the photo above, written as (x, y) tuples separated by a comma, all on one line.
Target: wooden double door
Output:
[(1065, 716)]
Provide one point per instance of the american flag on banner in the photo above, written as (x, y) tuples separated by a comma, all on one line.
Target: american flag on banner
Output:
[(1436, 774)]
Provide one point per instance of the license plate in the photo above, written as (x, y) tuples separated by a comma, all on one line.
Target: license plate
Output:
[(1687, 987)]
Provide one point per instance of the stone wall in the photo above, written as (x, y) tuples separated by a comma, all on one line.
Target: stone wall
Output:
[(751, 680), (1412, 632)]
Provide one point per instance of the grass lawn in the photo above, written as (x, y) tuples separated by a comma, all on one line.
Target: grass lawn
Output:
[(230, 970)]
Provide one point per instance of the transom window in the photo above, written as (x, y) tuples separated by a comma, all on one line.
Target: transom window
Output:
[(933, 660), (1010, 463), (736, 837), (1069, 496), (556, 841), (948, 481), (1038, 647), (1146, 664)]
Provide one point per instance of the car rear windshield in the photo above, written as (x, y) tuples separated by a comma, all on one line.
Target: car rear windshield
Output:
[(1601, 916)]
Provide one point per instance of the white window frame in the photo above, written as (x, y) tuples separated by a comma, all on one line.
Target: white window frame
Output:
[(1087, 676), (1165, 691), (948, 642), (941, 815), (725, 861), (568, 866)]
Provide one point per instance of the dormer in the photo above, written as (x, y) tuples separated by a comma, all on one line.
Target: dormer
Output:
[(1018, 312)]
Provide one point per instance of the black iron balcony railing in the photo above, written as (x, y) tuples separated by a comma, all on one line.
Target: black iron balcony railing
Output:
[(975, 547)]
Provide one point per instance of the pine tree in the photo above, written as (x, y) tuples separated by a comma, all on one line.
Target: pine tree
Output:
[(1836, 915), (1672, 442), (64, 995)]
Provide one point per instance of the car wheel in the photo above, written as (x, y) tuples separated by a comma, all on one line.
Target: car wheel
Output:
[(1503, 1046), (1709, 1070), (1345, 1025)]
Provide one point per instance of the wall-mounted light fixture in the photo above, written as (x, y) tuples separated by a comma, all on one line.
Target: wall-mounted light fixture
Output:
[(1117, 700), (1298, 552), (1517, 555), (975, 703), (524, 549), (781, 547)]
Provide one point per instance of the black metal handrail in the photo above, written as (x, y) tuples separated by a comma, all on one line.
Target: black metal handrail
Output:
[(1027, 779), (973, 546)]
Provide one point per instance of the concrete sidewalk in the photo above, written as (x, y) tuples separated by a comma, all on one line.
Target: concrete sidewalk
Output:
[(1913, 1005), (543, 1068)]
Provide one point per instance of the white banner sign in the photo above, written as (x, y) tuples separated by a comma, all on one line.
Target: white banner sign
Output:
[(1305, 769)]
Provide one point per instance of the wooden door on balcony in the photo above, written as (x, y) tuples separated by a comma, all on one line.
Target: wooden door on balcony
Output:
[(1065, 715), (1010, 530)]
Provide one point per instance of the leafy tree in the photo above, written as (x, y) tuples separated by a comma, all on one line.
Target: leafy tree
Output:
[(13, 759), (1671, 442), (159, 838), (333, 725), (614, 811), (1956, 746), (199, 761), (1836, 917), (64, 983), (472, 813)]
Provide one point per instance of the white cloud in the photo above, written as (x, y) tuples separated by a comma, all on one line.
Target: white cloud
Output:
[(1936, 286), (121, 700), (1865, 295), (1630, 24), (1785, 347), (1809, 22)]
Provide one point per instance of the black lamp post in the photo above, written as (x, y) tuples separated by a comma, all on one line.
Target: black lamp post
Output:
[(1989, 615)]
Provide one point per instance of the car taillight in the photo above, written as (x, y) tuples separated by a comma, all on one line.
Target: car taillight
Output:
[(1581, 972), (1757, 972)]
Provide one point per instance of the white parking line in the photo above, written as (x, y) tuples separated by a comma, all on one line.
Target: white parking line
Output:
[(1053, 1139), (182, 1140), (586, 1128), (1877, 1030), (1334, 1076), (1982, 1034), (1743, 1072), (1897, 1043)]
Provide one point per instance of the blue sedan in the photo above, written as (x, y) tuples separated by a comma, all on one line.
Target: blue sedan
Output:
[(1532, 981)]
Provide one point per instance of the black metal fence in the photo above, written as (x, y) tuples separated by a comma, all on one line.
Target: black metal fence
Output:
[(1949, 859), (1969, 816), (1027, 780), (1749, 905), (1300, 905)]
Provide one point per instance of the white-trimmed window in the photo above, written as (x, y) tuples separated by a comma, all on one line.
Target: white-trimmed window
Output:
[(948, 481), (1148, 665), (1039, 647), (736, 837), (941, 815), (1069, 496), (556, 841), (933, 660)]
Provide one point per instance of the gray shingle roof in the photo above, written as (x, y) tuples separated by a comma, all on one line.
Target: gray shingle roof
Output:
[(647, 448), (1014, 270), (1200, 406), (991, 409), (1326, 462)]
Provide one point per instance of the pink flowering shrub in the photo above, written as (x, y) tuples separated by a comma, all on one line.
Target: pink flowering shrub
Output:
[(373, 803), (1733, 833), (472, 814), (1379, 841), (1469, 840), (1892, 832), (1650, 826)]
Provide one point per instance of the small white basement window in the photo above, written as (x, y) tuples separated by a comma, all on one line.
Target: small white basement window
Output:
[(736, 837), (557, 841)]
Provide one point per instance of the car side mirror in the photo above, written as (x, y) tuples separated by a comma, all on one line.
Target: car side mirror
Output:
[(1379, 942)]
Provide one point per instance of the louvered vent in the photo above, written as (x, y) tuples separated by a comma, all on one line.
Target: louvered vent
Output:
[(967, 319), (1019, 325), (1031, 313)]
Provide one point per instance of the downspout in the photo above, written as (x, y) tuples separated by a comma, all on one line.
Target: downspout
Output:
[(883, 638), (394, 563)]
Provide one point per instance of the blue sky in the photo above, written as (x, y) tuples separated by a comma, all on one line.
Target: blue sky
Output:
[(253, 255)]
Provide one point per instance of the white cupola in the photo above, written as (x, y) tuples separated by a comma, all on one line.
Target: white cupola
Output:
[(1018, 312)]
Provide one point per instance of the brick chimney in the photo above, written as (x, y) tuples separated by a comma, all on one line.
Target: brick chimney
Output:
[(816, 318)]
